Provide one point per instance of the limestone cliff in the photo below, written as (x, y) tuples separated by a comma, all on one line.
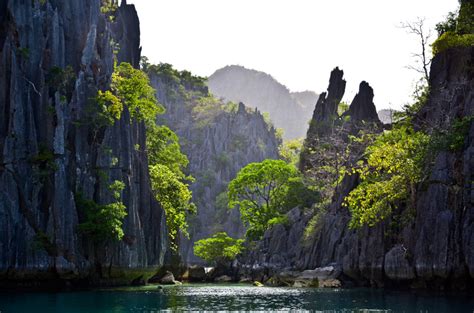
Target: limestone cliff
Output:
[(219, 139), (288, 111), (54, 56), (434, 250)]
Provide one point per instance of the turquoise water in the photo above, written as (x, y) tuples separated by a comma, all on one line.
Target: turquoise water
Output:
[(235, 297)]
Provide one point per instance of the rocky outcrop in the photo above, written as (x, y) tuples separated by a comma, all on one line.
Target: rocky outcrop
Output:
[(328, 102), (435, 249), (362, 107), (54, 56), (288, 111), (219, 140)]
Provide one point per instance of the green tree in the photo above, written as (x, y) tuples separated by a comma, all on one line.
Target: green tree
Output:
[(264, 191), (394, 165), (163, 148), (103, 222), (220, 249), (132, 87), (290, 151), (175, 197)]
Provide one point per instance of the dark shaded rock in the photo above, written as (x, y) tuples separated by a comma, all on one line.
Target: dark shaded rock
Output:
[(168, 279), (362, 107), (223, 279), (328, 102), (139, 281), (196, 274), (396, 264), (38, 202)]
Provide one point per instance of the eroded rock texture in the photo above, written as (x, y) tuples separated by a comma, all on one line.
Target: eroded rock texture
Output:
[(435, 250), (54, 56), (218, 142)]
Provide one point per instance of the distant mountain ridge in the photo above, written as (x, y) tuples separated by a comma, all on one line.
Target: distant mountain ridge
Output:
[(290, 111)]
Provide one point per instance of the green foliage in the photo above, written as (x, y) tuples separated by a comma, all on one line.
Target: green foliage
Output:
[(279, 132), (109, 108), (452, 139), (290, 151), (342, 108), (313, 228), (109, 7), (465, 23), (45, 161), (395, 163), (457, 30), (23, 52), (264, 191), (175, 198), (452, 40), (449, 25), (163, 148), (206, 109), (218, 249), (103, 222), (168, 74), (267, 119), (62, 80), (42, 241), (133, 88), (279, 220), (222, 201)]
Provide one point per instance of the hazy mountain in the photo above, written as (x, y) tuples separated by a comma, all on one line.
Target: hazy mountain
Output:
[(287, 110)]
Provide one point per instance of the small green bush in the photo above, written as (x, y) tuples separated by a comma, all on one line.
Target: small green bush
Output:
[(218, 249)]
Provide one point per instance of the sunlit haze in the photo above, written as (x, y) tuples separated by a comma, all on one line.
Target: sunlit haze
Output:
[(298, 42)]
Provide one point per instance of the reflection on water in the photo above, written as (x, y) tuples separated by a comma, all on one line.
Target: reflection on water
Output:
[(236, 298)]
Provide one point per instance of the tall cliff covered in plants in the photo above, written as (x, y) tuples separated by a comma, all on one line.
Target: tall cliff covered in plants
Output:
[(219, 139), (68, 151), (403, 213)]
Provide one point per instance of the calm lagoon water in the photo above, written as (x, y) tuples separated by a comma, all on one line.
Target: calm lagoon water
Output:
[(235, 298)]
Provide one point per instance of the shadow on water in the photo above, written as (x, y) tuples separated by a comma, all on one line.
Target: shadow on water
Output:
[(236, 298)]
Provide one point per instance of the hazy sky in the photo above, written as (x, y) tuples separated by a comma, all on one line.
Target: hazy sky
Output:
[(296, 41)]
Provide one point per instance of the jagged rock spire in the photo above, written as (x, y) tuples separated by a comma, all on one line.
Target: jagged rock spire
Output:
[(362, 107), (327, 104)]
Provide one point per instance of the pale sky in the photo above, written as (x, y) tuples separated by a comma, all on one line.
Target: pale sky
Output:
[(298, 42)]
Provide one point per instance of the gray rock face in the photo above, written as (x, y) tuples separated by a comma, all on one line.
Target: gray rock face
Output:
[(287, 110), (326, 107), (168, 279), (435, 249), (48, 152), (218, 143), (196, 274), (396, 265)]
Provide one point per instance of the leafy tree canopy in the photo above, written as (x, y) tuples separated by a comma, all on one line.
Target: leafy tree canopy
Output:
[(394, 165), (133, 88), (103, 222), (163, 148), (264, 191), (174, 196), (218, 249)]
